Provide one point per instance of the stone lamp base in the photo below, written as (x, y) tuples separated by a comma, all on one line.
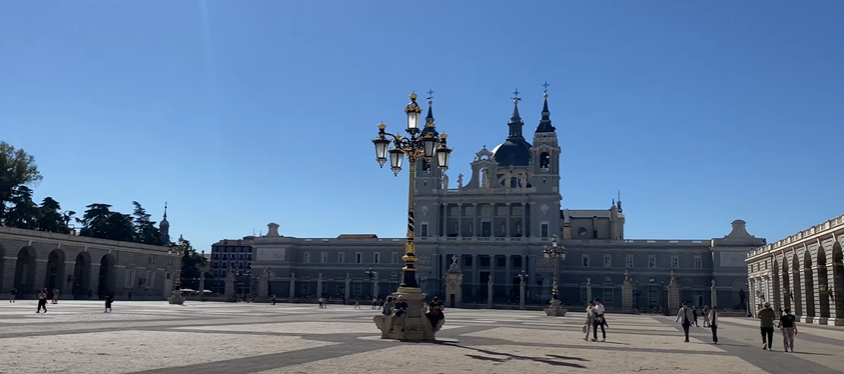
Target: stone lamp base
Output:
[(555, 309), (176, 298), (418, 326)]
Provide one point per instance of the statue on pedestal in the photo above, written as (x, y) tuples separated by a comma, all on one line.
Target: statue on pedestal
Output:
[(459, 181), (445, 181), (485, 173)]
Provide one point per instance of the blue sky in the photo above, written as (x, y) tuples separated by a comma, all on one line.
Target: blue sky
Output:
[(241, 113)]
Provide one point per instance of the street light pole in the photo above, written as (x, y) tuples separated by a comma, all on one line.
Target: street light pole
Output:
[(556, 254), (427, 145), (421, 143), (178, 249)]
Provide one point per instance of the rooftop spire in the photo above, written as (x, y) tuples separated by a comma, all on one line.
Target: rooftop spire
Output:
[(545, 122), (515, 120)]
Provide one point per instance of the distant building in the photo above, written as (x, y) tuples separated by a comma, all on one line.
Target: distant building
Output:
[(227, 255), (497, 223)]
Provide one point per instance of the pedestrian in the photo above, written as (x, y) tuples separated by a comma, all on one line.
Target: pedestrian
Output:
[(12, 293), (706, 312), (590, 319), (766, 325), (42, 301), (357, 303), (388, 307), (694, 311), (374, 303), (598, 312), (435, 312), (109, 298), (321, 302), (687, 315), (272, 299), (55, 295), (788, 326), (399, 312), (713, 319)]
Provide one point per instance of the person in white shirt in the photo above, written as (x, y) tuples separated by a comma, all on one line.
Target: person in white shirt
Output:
[(687, 315), (713, 323), (598, 320), (590, 318)]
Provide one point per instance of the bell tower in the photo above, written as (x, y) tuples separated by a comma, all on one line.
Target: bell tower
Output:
[(546, 154)]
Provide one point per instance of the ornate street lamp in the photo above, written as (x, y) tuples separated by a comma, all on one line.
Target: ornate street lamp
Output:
[(178, 249), (555, 254), (419, 144)]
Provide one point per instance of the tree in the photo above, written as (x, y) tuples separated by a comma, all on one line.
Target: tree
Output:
[(99, 221), (52, 219), (193, 264), (145, 230), (17, 169), (23, 213)]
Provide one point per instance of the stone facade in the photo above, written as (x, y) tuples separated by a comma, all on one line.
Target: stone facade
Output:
[(82, 267), (803, 272)]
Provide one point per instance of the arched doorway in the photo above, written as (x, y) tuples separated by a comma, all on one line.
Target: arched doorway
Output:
[(82, 276), (775, 283), (838, 279), (55, 270), (25, 271), (809, 285), (106, 276), (797, 290), (786, 284), (823, 281)]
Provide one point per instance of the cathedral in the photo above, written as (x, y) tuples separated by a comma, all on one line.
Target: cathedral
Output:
[(493, 227)]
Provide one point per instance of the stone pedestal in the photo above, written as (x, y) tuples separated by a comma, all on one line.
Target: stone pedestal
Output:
[(453, 285), (292, 288), (489, 293), (555, 309), (319, 282), (418, 327), (673, 294), (229, 291), (627, 294), (589, 289), (176, 298), (347, 289), (713, 295), (202, 285), (263, 288), (375, 288)]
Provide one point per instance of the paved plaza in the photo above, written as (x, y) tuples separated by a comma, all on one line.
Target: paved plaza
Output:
[(75, 337)]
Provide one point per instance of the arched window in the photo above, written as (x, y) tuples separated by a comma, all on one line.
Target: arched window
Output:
[(544, 160)]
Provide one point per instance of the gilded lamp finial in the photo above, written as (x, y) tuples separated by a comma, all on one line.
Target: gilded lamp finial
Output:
[(443, 136), (382, 126), (413, 96)]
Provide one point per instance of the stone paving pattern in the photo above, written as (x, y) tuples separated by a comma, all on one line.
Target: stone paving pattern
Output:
[(75, 337)]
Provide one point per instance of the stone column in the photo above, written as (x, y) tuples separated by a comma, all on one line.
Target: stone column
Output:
[(489, 293), (627, 293), (507, 229), (94, 280), (713, 295), (319, 285), (522, 293), (347, 289), (229, 291), (292, 296), (588, 289), (835, 311), (673, 294), (454, 285), (201, 282), (263, 287), (375, 290)]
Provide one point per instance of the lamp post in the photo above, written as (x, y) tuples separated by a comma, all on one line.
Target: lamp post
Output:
[(178, 249), (423, 144), (371, 274), (556, 254)]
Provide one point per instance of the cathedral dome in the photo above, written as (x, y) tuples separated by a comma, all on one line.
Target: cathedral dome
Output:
[(513, 152)]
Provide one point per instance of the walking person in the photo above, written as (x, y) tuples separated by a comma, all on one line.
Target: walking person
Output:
[(598, 321), (590, 319), (12, 293), (55, 296), (713, 319), (272, 299), (705, 312), (766, 325), (42, 301), (687, 315), (109, 298), (695, 312), (788, 326), (321, 302)]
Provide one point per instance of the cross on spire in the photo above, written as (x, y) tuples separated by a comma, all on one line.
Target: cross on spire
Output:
[(546, 87), (516, 97), (430, 94)]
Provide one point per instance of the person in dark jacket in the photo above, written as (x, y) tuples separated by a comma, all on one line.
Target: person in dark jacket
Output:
[(109, 298)]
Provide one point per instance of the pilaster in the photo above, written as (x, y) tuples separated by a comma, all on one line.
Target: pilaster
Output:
[(713, 295), (348, 288), (805, 313), (292, 296), (673, 294), (489, 291), (229, 289), (627, 293), (522, 293), (454, 284), (588, 289)]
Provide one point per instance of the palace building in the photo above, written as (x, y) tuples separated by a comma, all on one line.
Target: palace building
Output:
[(496, 222)]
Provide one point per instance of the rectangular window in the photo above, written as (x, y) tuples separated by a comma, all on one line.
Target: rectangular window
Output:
[(357, 288), (306, 257), (131, 258), (543, 230), (607, 261), (359, 258), (130, 279), (628, 261), (651, 261), (675, 262), (323, 257), (698, 262), (486, 229), (584, 259), (424, 230), (376, 258), (394, 257), (341, 257), (148, 279)]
